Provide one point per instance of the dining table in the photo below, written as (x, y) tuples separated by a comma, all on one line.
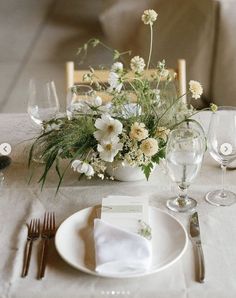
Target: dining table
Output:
[(21, 199)]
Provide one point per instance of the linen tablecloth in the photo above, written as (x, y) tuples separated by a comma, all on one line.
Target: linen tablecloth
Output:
[(19, 202)]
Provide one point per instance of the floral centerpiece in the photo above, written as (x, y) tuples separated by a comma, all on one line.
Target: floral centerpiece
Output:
[(132, 129)]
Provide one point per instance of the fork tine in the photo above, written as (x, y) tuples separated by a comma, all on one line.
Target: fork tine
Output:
[(48, 218), (30, 226), (38, 226), (53, 221), (44, 221), (35, 225)]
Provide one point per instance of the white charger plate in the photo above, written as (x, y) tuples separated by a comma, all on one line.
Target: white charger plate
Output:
[(75, 244)]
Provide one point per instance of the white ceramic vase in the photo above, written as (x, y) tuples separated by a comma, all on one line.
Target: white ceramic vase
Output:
[(124, 172)]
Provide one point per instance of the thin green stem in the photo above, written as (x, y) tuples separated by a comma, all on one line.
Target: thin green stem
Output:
[(167, 110), (150, 50)]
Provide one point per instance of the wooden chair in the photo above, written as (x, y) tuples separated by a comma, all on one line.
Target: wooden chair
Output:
[(76, 77)]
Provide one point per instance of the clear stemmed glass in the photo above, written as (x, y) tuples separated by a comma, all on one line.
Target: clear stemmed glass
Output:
[(77, 97), (184, 155), (43, 105), (43, 102), (222, 147)]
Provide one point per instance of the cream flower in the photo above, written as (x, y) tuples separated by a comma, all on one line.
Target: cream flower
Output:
[(149, 17), (82, 167), (108, 128), (137, 64), (213, 107), (115, 82), (149, 147), (138, 131), (117, 67), (108, 149), (50, 127), (162, 133), (196, 89)]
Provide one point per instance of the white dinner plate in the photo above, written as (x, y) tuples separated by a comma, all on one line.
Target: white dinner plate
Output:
[(75, 244)]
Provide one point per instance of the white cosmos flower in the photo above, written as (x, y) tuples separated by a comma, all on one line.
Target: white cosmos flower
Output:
[(149, 17), (137, 64), (108, 128), (196, 89), (108, 149), (82, 167), (117, 67), (114, 81)]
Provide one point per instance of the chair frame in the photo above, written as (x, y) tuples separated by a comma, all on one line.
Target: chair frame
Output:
[(76, 76)]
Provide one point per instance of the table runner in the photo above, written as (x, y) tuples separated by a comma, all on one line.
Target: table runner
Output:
[(19, 202)]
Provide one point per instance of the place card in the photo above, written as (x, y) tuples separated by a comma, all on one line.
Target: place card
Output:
[(125, 212)]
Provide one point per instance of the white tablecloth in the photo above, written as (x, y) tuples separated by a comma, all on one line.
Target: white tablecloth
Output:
[(19, 202)]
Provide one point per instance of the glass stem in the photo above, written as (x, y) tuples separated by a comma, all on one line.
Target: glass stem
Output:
[(1, 181), (182, 197), (223, 168)]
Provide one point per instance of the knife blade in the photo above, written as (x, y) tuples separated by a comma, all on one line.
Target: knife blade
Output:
[(196, 240)]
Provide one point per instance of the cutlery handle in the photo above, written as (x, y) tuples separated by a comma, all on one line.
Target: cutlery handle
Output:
[(27, 257), (201, 263), (43, 258)]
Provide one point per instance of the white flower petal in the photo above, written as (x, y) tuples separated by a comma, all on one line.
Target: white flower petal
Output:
[(75, 164)]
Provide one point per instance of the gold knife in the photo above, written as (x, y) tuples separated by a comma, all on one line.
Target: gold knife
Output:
[(196, 239)]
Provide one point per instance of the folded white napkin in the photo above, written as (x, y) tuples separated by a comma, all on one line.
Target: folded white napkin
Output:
[(118, 251)]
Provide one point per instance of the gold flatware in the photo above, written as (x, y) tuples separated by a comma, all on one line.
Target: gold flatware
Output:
[(48, 232), (33, 234)]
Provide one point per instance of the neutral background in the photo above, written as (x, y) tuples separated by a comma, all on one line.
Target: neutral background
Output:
[(38, 37)]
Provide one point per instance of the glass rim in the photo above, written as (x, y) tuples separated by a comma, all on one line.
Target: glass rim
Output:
[(186, 129), (81, 86), (226, 108)]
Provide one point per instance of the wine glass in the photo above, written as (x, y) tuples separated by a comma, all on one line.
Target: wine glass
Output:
[(222, 147), (184, 155), (78, 97), (5, 161), (43, 102)]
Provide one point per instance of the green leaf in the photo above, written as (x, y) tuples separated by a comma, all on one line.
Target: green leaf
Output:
[(147, 169), (95, 42), (116, 55), (159, 155)]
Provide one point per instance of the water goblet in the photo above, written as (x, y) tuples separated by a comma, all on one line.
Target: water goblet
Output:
[(222, 147), (78, 99), (184, 154)]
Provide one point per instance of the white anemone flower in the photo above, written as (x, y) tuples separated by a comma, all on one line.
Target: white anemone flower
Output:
[(149, 17), (108, 128), (109, 149), (117, 67), (82, 167), (115, 82), (196, 89), (137, 64)]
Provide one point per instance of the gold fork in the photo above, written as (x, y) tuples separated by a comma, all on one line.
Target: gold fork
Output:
[(48, 232), (33, 234)]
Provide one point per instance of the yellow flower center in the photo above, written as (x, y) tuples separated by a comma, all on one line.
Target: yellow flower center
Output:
[(108, 147), (110, 128)]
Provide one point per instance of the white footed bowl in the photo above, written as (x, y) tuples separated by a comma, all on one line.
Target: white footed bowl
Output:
[(124, 172)]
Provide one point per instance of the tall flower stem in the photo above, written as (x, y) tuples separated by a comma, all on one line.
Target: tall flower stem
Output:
[(150, 50)]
